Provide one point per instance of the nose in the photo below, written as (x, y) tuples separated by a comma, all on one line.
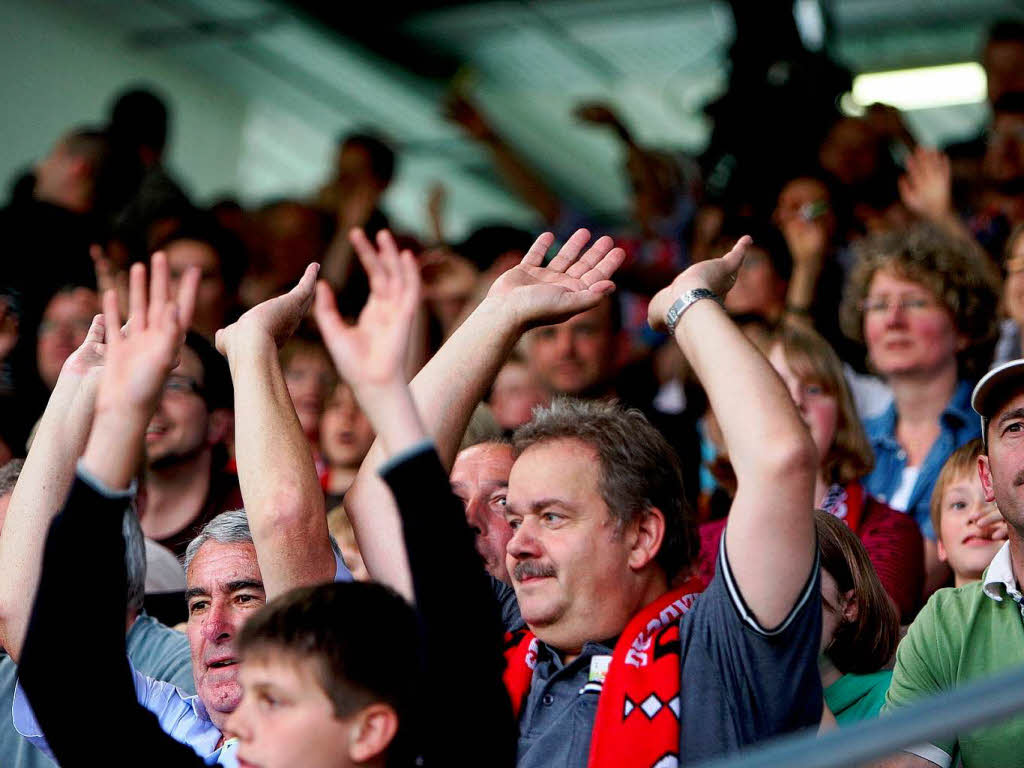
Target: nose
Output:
[(563, 342), (217, 625), (523, 545)]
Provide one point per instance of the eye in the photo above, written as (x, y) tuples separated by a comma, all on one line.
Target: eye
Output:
[(499, 502), (814, 390), (197, 606), (513, 522), (957, 504), (551, 518), (266, 701), (1013, 427), (246, 598)]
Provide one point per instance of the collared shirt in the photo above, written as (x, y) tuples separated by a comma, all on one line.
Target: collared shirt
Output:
[(958, 424), (726, 660), (181, 716), (963, 634)]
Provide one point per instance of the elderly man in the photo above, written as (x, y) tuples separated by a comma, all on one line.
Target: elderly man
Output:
[(624, 659), (286, 524), (974, 631)]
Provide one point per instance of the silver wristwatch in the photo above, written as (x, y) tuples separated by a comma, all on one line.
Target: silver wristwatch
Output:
[(683, 303)]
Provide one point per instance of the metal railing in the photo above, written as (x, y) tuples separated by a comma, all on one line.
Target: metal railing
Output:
[(957, 711)]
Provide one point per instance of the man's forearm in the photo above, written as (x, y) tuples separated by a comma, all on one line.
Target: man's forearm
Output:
[(446, 391), (276, 474), (38, 496), (770, 536)]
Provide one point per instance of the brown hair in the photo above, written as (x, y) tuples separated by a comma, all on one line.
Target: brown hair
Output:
[(867, 643), (639, 469), (811, 358), (959, 275), (963, 461)]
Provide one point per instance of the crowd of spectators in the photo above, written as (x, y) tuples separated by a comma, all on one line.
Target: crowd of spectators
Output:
[(347, 496)]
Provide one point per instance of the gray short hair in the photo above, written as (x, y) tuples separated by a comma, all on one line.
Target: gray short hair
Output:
[(134, 559), (9, 474), (226, 528)]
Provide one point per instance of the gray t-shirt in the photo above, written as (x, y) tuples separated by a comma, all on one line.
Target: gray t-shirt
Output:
[(740, 683), (155, 650)]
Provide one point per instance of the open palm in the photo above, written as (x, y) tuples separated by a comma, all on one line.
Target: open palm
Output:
[(573, 282), (373, 351), (136, 361)]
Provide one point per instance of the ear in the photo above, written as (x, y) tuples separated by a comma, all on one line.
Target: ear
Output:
[(648, 534), (851, 609), (962, 342), (371, 731), (220, 426), (985, 473), (941, 551)]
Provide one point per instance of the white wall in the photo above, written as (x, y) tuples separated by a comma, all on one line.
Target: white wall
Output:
[(61, 69)]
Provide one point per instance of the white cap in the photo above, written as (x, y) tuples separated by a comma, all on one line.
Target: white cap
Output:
[(995, 388)]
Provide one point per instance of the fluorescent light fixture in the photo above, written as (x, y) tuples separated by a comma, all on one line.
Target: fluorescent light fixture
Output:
[(923, 87)]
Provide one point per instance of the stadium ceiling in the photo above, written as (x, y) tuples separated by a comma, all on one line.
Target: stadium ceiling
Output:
[(336, 66)]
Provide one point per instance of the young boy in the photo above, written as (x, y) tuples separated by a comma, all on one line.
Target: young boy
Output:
[(970, 529)]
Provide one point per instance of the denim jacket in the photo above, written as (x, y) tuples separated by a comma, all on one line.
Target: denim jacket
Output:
[(959, 424)]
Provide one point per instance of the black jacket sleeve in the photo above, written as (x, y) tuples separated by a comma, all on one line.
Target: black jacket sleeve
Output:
[(465, 712), (81, 607)]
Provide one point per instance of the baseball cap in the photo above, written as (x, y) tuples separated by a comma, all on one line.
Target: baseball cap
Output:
[(994, 389)]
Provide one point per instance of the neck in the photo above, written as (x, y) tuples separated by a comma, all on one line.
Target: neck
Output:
[(821, 487), (962, 579), (921, 398), (1017, 555), (829, 672), (649, 588), (72, 200), (340, 478), (175, 494)]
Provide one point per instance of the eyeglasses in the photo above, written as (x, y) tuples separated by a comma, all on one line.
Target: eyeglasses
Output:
[(910, 304), (178, 386)]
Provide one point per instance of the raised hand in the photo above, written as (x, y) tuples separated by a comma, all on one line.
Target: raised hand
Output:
[(88, 358), (275, 318), (136, 362), (927, 187), (372, 352), (716, 275), (573, 282)]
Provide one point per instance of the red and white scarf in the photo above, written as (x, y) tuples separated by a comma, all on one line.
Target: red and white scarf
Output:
[(637, 721)]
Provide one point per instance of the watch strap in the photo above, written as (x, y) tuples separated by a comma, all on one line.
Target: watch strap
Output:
[(683, 303)]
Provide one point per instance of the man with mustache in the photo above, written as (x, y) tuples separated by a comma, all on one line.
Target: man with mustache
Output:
[(284, 523), (620, 657), (973, 631)]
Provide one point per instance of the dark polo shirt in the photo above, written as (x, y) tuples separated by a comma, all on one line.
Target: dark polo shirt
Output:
[(740, 683)]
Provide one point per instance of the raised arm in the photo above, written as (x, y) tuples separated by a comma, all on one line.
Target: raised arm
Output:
[(770, 539), (86, 538), (454, 381), (276, 474), (439, 542), (44, 483)]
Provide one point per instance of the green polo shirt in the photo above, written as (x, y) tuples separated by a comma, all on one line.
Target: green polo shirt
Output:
[(965, 634)]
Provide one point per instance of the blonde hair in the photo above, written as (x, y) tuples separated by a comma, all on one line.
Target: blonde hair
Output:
[(811, 358), (963, 461)]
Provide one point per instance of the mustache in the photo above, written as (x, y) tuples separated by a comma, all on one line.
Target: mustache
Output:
[(531, 569)]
